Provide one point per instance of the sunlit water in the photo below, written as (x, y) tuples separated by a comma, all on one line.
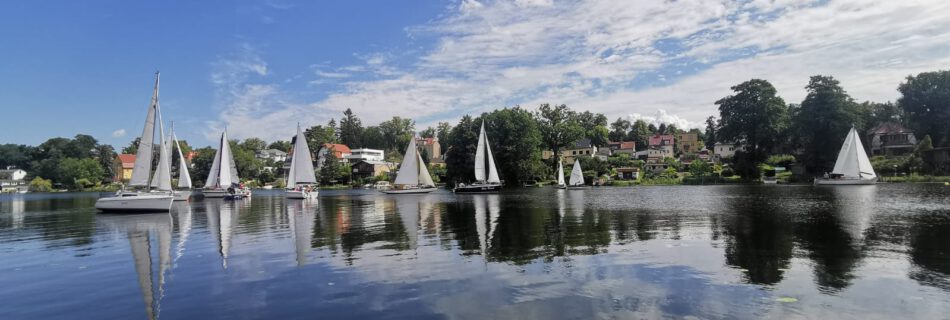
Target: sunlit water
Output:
[(861, 252)]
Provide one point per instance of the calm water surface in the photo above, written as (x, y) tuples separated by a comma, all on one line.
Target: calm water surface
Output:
[(863, 252)]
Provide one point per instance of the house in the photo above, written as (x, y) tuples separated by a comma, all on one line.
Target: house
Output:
[(724, 150), (628, 147), (123, 167), (579, 148), (365, 154), (12, 179), (688, 143), (272, 154), (432, 148), (628, 173), (891, 139), (656, 154), (340, 152), (661, 140), (371, 168)]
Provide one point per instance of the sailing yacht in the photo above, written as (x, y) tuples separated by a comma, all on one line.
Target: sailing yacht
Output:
[(223, 180), (852, 167), (577, 177), (486, 178), (184, 179), (143, 200), (560, 175), (413, 177), (301, 180)]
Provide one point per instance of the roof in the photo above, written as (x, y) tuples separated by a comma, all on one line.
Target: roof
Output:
[(661, 139), (338, 149), (582, 144), (374, 162), (127, 160), (889, 128), (427, 141), (622, 144), (274, 152), (628, 169)]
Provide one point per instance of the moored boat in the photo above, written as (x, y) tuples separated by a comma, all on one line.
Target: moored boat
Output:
[(223, 180), (486, 176), (852, 166), (577, 177), (413, 177), (301, 181)]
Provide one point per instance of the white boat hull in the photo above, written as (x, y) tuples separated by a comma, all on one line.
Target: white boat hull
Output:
[(298, 194), (182, 195), (577, 187), (408, 191), (844, 182), (135, 203), (221, 193)]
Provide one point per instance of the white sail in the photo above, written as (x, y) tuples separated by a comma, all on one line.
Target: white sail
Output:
[(424, 178), (480, 155), (577, 176), (409, 169), (226, 172), (492, 171), (212, 180), (162, 180), (184, 178), (143, 157), (852, 160), (301, 163), (560, 173)]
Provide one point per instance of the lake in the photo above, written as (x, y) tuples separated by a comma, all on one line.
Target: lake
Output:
[(734, 252)]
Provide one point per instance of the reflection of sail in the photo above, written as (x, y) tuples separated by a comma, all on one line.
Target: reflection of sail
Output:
[(408, 208), (184, 227), (576, 199), (300, 217), (227, 219), (141, 229), (17, 205), (854, 209), (487, 209)]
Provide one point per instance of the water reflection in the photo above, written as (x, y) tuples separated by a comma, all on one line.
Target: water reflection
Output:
[(758, 237), (833, 234), (141, 231), (221, 217), (300, 215)]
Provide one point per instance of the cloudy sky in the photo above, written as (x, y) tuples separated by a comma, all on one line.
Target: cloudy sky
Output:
[(259, 67)]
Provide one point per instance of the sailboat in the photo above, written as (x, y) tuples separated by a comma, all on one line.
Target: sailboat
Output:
[(301, 180), (184, 179), (852, 167), (486, 178), (413, 177), (143, 200), (223, 180), (560, 175), (577, 177)]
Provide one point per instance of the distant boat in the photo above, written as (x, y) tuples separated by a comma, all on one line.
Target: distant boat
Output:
[(301, 182), (184, 178), (143, 199), (577, 177), (560, 175), (486, 177), (852, 167), (413, 177), (223, 180)]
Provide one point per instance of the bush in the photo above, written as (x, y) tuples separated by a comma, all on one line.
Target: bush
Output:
[(781, 160), (41, 185)]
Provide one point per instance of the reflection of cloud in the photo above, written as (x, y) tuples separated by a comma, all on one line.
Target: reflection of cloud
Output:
[(118, 133)]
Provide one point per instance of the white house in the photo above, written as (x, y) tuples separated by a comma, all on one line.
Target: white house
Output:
[(724, 150), (11, 179), (272, 154), (364, 154)]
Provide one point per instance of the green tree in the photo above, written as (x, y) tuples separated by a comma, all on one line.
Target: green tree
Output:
[(710, 136), (39, 184), (559, 128), (254, 144), (443, 130), (201, 165), (319, 135), (514, 138), (15, 155), (753, 117), (397, 132), (619, 129), (105, 155), (330, 170), (599, 136), (373, 138), (133, 146), (351, 130), (245, 160), (700, 168), (640, 133), (281, 145), (427, 133), (460, 150), (78, 174), (823, 121), (925, 100)]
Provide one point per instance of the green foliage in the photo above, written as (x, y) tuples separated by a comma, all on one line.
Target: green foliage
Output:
[(781, 160), (619, 160), (15, 155), (427, 133), (514, 138), (442, 131), (39, 184), (640, 133), (823, 121), (619, 129), (319, 135), (599, 136), (133, 146), (201, 165), (559, 128), (47, 158), (710, 135), (280, 145), (254, 144), (754, 117), (397, 132), (77, 174), (460, 150), (373, 138), (700, 168), (593, 167), (351, 130), (925, 100)]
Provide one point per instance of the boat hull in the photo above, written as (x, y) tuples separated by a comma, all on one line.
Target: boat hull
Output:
[(845, 182), (182, 195), (408, 191), (298, 194), (478, 188), (577, 187), (136, 203), (223, 193)]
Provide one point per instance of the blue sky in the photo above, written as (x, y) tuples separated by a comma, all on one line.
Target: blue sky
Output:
[(258, 67)]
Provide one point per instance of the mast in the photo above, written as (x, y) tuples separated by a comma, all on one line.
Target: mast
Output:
[(301, 163), (141, 172), (480, 155), (409, 169)]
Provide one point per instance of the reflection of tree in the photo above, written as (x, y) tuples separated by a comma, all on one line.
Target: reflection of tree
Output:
[(76, 227), (833, 235), (587, 234), (758, 239), (929, 252)]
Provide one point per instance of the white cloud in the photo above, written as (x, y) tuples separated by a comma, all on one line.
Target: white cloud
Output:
[(661, 117), (118, 133), (615, 57)]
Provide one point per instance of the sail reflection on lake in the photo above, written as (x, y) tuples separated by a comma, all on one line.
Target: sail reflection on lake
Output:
[(644, 252)]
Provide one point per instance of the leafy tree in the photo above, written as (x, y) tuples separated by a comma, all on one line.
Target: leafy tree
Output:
[(397, 132), (559, 128), (619, 160), (640, 133), (428, 133), (925, 100), (351, 129), (254, 144), (201, 165), (753, 117), (662, 129), (700, 168), (39, 184), (373, 138), (653, 129), (599, 136), (133, 146), (105, 155), (460, 150), (514, 138), (280, 145), (823, 121), (319, 135), (710, 137), (77, 174), (619, 129), (15, 155), (245, 160), (443, 130)]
